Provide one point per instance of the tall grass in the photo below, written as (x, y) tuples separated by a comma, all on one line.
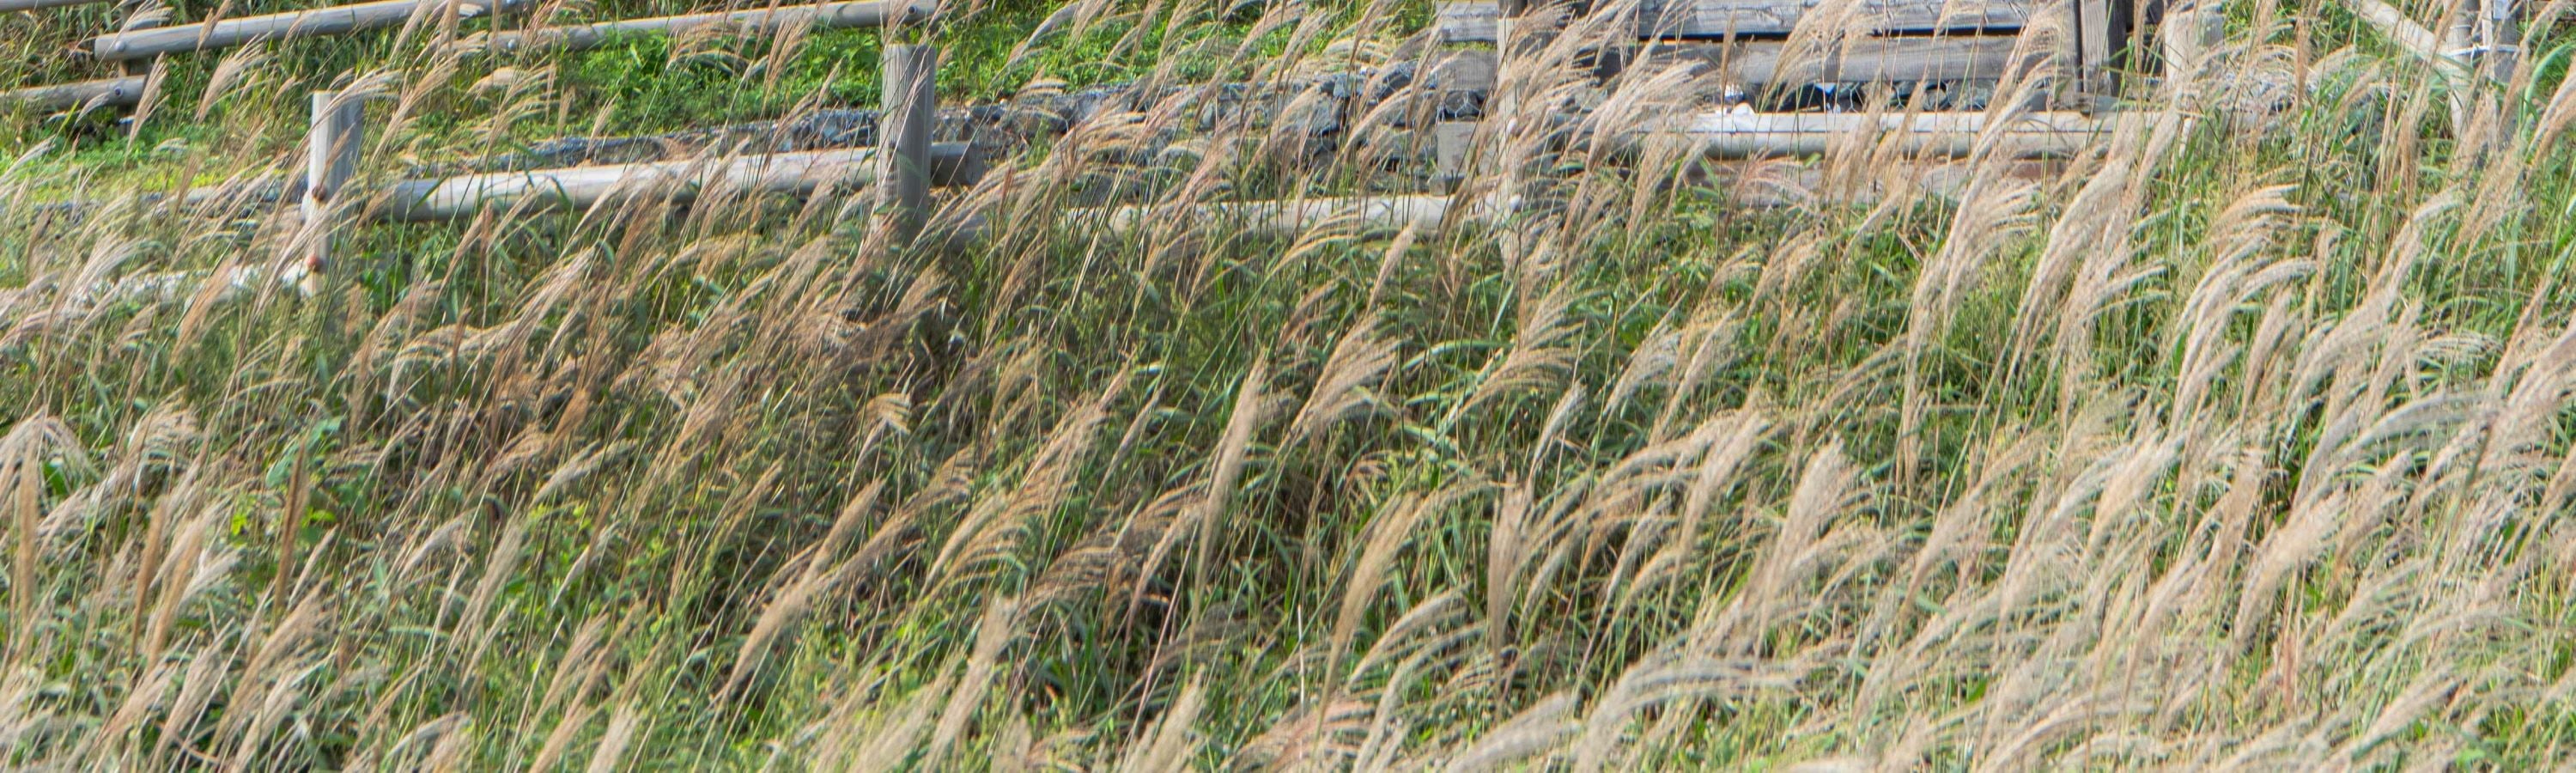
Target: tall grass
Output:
[(2240, 441)]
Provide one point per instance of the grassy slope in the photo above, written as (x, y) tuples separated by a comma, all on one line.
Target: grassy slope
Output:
[(554, 478)]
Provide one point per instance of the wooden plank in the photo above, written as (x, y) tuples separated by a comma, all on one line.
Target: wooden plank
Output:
[(12, 6), (2122, 27), (1772, 184), (1272, 218), (119, 92), (1754, 65), (2499, 37), (765, 21), (2093, 40), (1279, 217), (1737, 135), (1758, 135), (677, 182), (1474, 21), (2401, 29), (1762, 64), (320, 22), (1761, 184), (908, 108)]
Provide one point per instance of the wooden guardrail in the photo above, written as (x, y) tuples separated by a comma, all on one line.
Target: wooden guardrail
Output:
[(1756, 65), (911, 101), (13, 6), (1757, 135), (136, 48), (1759, 184), (1477, 21), (903, 166), (391, 14), (873, 13), (318, 22), (676, 182), (106, 92), (1740, 135), (1752, 45)]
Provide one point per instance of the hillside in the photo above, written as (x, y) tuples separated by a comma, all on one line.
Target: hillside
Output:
[(2202, 408)]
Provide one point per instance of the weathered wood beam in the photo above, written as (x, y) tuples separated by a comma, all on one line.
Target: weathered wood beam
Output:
[(319, 22), (330, 160), (874, 13), (2189, 33), (119, 92), (1757, 135), (676, 182), (910, 101), (2404, 31), (1742, 135), (1475, 21), (231, 284), (2499, 37), (1776, 185), (2425, 44), (12, 6), (1277, 217), (142, 65), (1765, 64), (1754, 65), (1760, 184), (2095, 41)]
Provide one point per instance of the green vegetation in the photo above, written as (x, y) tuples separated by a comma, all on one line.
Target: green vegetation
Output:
[(2242, 441), (639, 86)]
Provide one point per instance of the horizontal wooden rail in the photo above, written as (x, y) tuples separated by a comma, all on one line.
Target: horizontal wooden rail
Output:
[(1476, 21), (1755, 135), (12, 6), (1755, 65), (319, 22), (1763, 64), (1750, 135), (672, 181), (458, 196), (1749, 183), (754, 22), (120, 92), (1278, 217), (1779, 185)]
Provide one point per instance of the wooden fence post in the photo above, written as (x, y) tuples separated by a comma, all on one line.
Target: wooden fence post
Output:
[(138, 66), (911, 103), (1520, 36), (2499, 39), (2193, 29), (1511, 14), (2094, 42), (330, 159)]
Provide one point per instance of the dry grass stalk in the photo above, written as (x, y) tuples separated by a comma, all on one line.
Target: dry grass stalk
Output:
[(2218, 444)]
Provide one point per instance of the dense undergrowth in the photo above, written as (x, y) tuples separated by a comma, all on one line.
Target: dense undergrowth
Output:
[(2239, 442)]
